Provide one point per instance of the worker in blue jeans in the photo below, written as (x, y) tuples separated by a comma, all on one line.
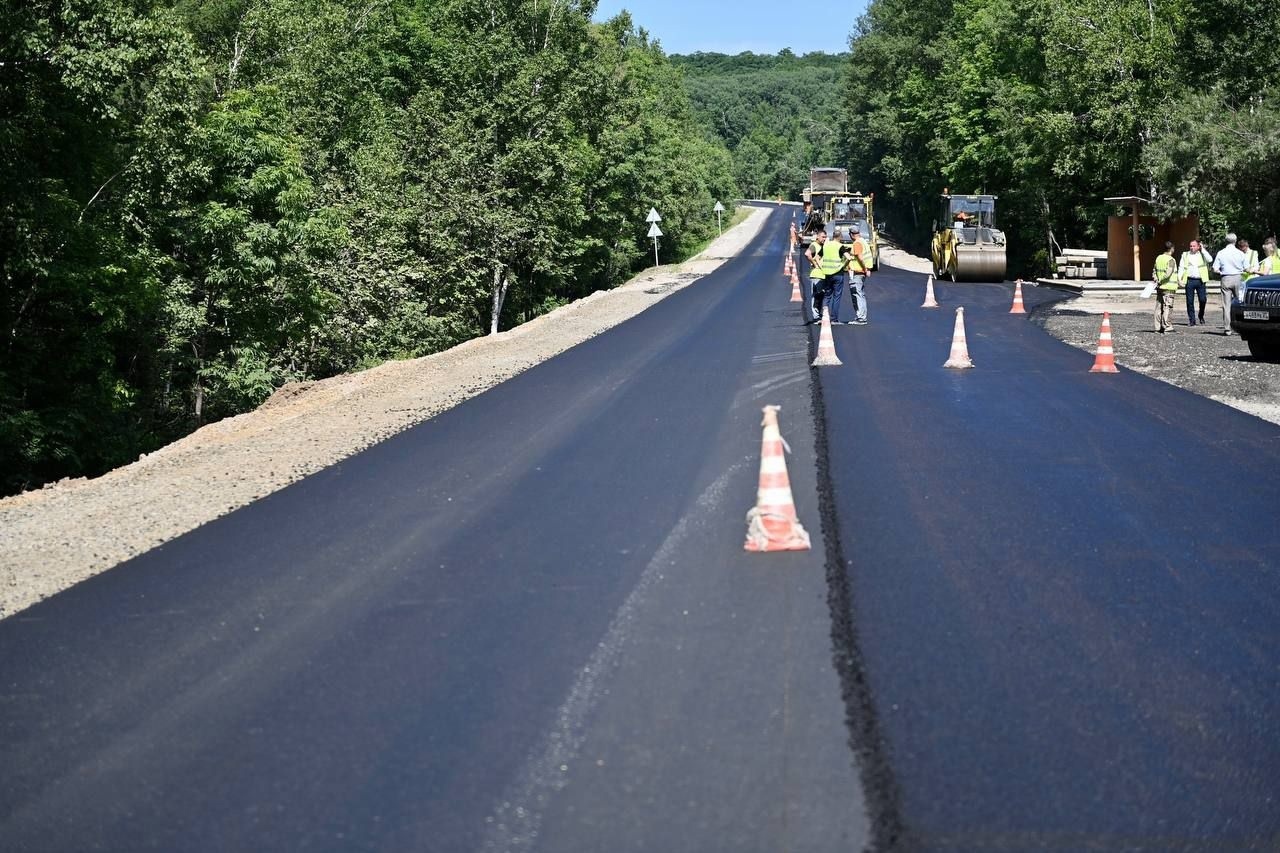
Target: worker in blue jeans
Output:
[(826, 272), (1193, 274)]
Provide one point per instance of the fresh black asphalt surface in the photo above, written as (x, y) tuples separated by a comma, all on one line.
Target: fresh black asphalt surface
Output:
[(1065, 586), (1042, 613), (527, 624)]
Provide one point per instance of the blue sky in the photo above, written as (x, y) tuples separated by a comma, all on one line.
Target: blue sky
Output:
[(686, 26)]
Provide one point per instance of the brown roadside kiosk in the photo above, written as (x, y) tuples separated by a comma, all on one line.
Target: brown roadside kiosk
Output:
[(1136, 237)]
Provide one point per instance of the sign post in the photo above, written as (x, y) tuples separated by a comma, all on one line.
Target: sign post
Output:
[(654, 231), (719, 209)]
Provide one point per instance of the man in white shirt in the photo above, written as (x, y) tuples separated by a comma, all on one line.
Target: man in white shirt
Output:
[(1229, 265)]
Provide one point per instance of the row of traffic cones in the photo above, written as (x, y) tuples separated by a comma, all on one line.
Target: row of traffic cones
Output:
[(773, 523), (931, 302), (1104, 359)]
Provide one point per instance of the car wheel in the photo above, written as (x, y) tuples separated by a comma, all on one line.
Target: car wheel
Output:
[(1264, 350)]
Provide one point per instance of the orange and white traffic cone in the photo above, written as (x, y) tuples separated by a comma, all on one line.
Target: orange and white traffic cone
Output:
[(795, 287), (1017, 299), (959, 344), (772, 524), (929, 301), (1105, 360), (826, 344), (787, 266)]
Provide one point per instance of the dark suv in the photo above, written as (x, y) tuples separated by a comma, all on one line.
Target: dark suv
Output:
[(1256, 318)]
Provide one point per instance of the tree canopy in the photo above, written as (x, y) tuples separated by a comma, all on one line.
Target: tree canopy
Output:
[(778, 114), (207, 198), (1054, 106)]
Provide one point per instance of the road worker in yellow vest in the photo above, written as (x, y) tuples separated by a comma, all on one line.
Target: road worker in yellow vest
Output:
[(1250, 262), (817, 277), (1193, 274), (1165, 277), (1270, 263), (829, 258), (859, 265)]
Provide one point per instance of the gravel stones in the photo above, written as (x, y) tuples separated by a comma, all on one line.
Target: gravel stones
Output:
[(1198, 358), (68, 531)]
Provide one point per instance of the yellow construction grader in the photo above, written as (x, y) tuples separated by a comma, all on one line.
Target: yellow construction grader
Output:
[(967, 246)]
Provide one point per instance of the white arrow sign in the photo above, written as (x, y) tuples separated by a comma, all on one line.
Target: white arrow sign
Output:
[(654, 230), (653, 217), (719, 208)]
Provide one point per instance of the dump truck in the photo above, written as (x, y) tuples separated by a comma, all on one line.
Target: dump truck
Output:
[(825, 182), (967, 246)]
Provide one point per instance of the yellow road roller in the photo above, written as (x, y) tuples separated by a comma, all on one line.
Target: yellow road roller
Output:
[(967, 246)]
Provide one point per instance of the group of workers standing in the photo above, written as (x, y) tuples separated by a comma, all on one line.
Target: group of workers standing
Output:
[(1235, 264), (833, 262)]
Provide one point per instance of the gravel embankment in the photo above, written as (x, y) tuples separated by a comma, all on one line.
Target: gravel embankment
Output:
[(1198, 358), (55, 537)]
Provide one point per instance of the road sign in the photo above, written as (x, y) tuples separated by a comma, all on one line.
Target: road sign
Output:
[(719, 209), (653, 216), (655, 232)]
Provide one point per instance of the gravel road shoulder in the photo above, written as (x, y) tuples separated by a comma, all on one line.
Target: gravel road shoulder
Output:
[(1200, 359), (57, 536)]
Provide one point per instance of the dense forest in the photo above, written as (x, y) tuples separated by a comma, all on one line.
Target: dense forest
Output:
[(1056, 104), (777, 114), (204, 199)]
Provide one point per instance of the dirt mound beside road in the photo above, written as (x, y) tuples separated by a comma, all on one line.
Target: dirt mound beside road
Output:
[(57, 536)]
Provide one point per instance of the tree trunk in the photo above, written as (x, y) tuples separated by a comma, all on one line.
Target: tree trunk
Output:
[(500, 285)]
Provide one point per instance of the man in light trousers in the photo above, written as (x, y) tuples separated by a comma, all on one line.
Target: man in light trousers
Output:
[(1229, 265)]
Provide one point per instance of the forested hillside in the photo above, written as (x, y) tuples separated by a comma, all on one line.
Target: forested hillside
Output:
[(1056, 104), (777, 114), (204, 199)]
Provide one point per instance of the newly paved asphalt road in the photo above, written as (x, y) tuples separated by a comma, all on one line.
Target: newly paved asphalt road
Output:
[(527, 624), (1042, 613), (1066, 586)]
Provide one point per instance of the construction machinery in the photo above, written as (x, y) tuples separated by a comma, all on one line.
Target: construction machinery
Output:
[(825, 183), (852, 213), (967, 246)]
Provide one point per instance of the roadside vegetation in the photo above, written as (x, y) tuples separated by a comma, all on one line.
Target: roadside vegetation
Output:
[(204, 199), (1055, 104), (777, 114)]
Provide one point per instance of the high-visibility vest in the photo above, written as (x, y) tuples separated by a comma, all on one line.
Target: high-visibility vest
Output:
[(817, 269), (858, 257), (1250, 260), (831, 262), (1270, 265), (1188, 261), (1166, 274)]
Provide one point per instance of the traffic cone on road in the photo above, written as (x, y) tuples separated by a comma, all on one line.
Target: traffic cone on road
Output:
[(795, 287), (788, 266), (959, 344), (1017, 299), (1105, 360), (929, 301), (772, 524), (826, 344)]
